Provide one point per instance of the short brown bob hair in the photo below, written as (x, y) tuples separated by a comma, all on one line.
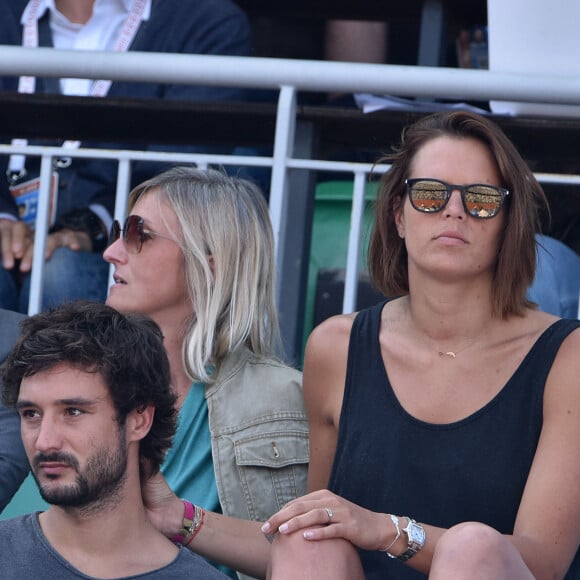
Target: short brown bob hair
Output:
[(516, 263)]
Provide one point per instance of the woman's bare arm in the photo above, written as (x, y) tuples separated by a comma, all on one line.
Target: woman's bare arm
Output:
[(234, 542)]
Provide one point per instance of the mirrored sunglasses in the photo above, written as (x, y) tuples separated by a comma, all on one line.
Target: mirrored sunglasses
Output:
[(479, 200)]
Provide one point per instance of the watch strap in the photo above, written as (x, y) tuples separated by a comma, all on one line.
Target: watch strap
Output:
[(415, 539)]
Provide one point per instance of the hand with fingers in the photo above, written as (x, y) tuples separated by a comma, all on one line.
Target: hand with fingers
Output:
[(164, 509), (324, 515), (73, 240), (17, 243), (16, 240)]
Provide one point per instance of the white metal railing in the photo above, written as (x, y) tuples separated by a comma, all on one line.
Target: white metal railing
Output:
[(207, 70), (289, 77), (124, 158)]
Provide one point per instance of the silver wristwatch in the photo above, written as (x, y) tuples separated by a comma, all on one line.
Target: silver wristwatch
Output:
[(415, 539)]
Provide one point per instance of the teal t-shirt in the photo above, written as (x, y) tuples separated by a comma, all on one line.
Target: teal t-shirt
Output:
[(188, 465)]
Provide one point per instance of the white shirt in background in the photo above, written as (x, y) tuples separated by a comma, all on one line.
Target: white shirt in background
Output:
[(99, 33)]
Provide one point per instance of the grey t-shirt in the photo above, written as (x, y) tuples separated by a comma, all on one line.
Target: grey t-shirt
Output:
[(25, 553)]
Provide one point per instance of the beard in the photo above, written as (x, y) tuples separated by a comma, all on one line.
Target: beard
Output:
[(97, 486)]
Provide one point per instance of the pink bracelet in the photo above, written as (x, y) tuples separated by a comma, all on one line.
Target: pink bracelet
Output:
[(188, 526), (197, 527)]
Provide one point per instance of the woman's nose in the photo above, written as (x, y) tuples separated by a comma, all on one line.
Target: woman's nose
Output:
[(115, 252), (454, 207)]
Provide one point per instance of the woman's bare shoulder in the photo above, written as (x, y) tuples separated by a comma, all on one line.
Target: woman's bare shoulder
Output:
[(567, 363), (340, 324), (327, 346), (565, 370)]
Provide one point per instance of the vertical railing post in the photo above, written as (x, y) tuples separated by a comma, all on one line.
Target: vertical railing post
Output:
[(283, 148), (40, 234), (284, 139), (352, 258), (121, 198), (122, 189)]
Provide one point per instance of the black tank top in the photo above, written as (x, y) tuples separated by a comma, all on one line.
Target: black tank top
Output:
[(474, 469)]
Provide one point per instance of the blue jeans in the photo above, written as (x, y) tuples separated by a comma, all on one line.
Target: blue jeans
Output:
[(68, 275), (557, 283)]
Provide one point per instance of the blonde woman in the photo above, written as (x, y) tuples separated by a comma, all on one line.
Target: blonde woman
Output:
[(196, 255)]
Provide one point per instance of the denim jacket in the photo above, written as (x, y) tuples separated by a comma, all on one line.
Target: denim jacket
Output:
[(259, 435)]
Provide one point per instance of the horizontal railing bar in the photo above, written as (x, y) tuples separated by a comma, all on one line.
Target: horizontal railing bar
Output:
[(565, 179), (137, 155), (321, 165), (305, 75), (250, 161)]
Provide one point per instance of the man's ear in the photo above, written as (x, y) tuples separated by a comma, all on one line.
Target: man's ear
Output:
[(139, 422)]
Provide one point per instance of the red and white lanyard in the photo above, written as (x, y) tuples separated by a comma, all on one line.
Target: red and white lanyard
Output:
[(100, 88)]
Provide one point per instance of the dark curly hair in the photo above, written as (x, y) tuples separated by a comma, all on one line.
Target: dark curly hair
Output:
[(126, 350)]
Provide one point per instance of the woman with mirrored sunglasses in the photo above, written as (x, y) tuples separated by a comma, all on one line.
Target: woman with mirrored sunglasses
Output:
[(444, 422), (196, 253)]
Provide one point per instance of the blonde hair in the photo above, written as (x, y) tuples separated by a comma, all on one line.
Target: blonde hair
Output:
[(228, 246)]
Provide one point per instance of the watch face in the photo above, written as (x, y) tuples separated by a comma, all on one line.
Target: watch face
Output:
[(416, 534)]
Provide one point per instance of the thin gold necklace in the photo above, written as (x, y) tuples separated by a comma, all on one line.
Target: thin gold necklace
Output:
[(453, 354), (449, 353)]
